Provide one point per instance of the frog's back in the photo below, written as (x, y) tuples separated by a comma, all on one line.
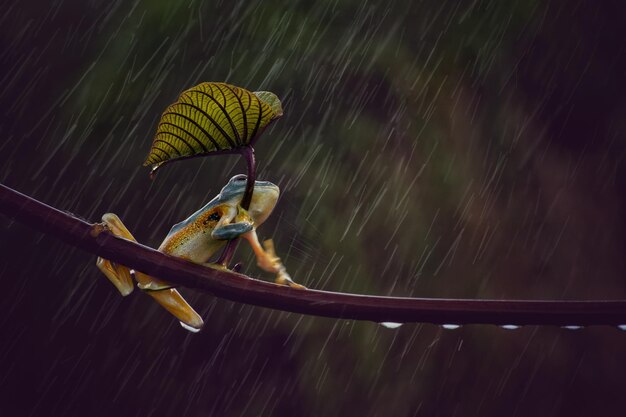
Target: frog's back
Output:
[(191, 239)]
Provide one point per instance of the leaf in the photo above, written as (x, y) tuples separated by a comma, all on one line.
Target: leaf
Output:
[(212, 117), (272, 100)]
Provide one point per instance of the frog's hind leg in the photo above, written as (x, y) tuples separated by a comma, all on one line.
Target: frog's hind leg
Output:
[(118, 274), (171, 300), (268, 261), (162, 292)]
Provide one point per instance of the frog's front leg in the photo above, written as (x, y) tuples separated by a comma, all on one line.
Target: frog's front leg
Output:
[(163, 293), (233, 223), (268, 261)]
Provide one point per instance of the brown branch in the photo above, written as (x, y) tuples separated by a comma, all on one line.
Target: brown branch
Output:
[(244, 289)]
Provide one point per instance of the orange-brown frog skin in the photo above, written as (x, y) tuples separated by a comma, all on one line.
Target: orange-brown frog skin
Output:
[(206, 231), (200, 236)]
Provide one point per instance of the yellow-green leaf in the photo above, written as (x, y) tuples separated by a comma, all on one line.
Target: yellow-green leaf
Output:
[(212, 117), (272, 100)]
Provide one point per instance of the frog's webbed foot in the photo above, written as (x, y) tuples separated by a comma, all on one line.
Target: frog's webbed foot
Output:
[(282, 277), (162, 292), (171, 300), (268, 261), (118, 274), (241, 223)]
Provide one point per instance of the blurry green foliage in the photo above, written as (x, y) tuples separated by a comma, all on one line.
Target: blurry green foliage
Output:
[(462, 149)]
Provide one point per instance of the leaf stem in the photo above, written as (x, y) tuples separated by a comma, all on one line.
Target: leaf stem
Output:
[(248, 153)]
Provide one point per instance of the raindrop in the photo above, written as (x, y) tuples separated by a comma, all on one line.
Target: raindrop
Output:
[(390, 324), (450, 326), (510, 326), (572, 327), (188, 327), (622, 327), (153, 172)]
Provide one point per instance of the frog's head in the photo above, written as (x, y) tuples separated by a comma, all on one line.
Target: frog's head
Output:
[(264, 196)]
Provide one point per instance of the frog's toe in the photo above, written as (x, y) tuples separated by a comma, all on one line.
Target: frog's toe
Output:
[(190, 328), (172, 301), (285, 279), (119, 275), (296, 285), (231, 231), (269, 264)]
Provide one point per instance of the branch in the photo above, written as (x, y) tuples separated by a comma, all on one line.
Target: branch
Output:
[(241, 288)]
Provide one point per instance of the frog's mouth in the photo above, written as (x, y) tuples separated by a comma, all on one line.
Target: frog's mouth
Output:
[(264, 200)]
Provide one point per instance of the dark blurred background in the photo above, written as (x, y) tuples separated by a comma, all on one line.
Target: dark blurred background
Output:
[(432, 149)]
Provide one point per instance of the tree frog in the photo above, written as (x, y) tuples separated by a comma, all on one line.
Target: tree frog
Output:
[(200, 236)]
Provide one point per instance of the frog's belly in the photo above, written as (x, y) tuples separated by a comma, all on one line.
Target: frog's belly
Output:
[(196, 248)]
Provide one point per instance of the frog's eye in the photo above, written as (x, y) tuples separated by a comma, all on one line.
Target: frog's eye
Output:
[(213, 217), (240, 179)]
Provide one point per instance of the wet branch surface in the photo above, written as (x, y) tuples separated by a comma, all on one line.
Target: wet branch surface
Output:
[(241, 288)]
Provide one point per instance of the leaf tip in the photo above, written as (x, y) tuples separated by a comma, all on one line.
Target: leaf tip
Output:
[(271, 100)]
